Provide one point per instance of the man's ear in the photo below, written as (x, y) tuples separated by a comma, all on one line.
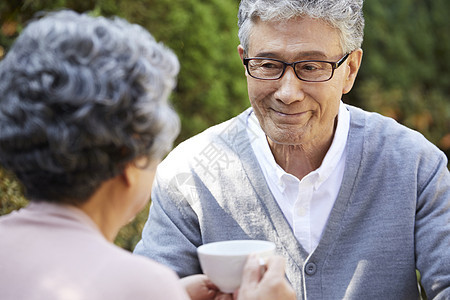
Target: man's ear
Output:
[(241, 52), (353, 64)]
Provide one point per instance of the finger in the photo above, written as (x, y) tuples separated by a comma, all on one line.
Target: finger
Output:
[(223, 297), (275, 266), (199, 287), (210, 285), (236, 294), (251, 274)]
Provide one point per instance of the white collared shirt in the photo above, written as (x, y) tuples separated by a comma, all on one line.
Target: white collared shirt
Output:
[(305, 203)]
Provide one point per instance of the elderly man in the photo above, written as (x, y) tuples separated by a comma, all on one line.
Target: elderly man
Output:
[(355, 201)]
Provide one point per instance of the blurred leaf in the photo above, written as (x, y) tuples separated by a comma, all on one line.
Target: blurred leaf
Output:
[(9, 28), (11, 193)]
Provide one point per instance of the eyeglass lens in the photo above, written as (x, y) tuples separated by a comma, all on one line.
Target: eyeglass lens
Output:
[(274, 69)]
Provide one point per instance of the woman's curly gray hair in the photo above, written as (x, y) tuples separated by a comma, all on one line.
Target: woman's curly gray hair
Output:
[(80, 98), (345, 15)]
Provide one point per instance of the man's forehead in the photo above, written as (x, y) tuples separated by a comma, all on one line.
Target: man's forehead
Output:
[(302, 37)]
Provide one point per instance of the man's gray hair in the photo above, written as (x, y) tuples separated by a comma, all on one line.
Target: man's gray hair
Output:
[(80, 98), (344, 15)]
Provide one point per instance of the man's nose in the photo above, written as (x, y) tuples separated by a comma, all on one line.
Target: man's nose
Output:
[(290, 87)]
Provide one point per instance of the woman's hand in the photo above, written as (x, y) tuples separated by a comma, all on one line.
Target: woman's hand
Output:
[(199, 287)]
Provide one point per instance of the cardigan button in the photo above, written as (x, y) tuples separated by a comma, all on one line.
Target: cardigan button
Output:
[(310, 268)]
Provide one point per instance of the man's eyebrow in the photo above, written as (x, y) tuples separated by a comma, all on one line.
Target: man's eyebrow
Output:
[(300, 55), (315, 54), (266, 54)]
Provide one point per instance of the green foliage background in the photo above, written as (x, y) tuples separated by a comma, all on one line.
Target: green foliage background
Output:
[(405, 71)]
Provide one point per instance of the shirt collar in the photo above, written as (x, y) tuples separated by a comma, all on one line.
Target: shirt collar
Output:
[(337, 147)]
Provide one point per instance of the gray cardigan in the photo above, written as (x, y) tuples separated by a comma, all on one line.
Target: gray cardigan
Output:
[(391, 216)]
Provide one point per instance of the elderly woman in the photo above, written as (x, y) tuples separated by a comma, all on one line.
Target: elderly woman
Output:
[(84, 120)]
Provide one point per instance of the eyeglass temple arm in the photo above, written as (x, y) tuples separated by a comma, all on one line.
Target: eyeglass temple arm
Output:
[(339, 62)]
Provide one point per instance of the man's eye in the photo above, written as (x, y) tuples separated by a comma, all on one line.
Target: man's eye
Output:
[(310, 67), (269, 65)]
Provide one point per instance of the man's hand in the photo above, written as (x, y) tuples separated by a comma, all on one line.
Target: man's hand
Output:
[(268, 285)]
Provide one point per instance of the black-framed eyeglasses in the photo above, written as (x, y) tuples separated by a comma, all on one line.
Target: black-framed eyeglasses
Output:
[(306, 70)]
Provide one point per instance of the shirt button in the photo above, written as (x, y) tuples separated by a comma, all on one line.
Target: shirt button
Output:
[(310, 268)]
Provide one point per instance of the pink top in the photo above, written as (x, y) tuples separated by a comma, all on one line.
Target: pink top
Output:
[(50, 251)]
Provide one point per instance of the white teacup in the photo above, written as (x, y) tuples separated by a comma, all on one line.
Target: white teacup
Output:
[(223, 262)]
